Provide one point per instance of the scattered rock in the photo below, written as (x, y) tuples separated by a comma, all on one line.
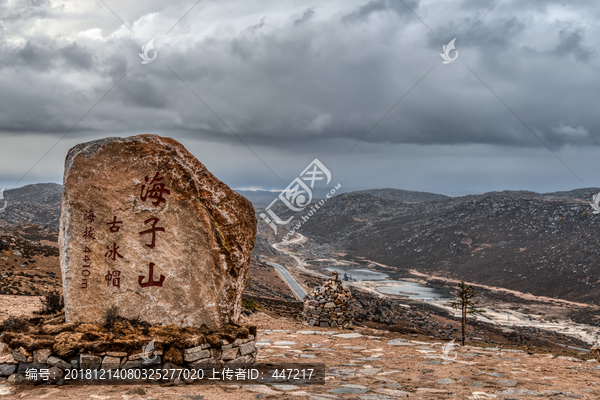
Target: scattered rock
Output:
[(505, 382), (347, 390), (519, 392)]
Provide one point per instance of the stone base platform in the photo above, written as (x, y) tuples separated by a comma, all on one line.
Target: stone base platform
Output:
[(48, 343)]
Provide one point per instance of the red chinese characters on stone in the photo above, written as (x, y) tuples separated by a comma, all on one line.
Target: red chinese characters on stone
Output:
[(155, 190), (112, 253), (89, 233), (85, 272), (113, 225), (152, 230), (113, 278), (89, 216), (151, 281)]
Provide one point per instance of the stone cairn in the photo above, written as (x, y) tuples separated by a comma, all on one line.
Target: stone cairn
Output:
[(329, 305)]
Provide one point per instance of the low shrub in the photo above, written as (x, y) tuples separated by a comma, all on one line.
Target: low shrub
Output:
[(52, 303), (15, 324)]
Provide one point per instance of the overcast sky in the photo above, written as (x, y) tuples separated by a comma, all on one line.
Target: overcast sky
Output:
[(304, 79)]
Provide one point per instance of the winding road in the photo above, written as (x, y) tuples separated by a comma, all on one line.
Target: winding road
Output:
[(289, 279), (296, 258)]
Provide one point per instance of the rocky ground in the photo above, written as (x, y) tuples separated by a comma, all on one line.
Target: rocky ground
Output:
[(371, 364), (28, 267)]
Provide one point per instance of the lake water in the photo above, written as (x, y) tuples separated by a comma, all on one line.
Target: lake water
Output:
[(359, 274), (411, 289), (414, 290)]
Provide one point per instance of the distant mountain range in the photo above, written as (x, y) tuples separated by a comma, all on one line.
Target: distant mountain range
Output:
[(40, 203), (405, 196), (262, 198)]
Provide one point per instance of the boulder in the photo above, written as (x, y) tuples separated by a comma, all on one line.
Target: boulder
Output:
[(147, 228)]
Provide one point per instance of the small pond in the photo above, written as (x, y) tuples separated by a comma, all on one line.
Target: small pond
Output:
[(414, 290), (358, 274)]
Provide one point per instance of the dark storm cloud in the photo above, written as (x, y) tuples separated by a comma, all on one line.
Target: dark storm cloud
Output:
[(572, 42), (76, 57), (307, 76), (280, 86), (375, 6), (308, 14), (44, 54), (36, 57), (144, 93), (366, 10)]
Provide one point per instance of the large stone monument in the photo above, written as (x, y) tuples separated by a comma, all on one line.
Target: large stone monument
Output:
[(147, 228)]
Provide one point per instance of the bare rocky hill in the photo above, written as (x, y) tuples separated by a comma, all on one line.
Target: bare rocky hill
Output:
[(544, 244), (39, 204)]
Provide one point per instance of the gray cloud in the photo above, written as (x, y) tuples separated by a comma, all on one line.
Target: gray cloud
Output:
[(571, 42), (294, 83), (375, 6), (366, 10), (308, 14), (76, 57)]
